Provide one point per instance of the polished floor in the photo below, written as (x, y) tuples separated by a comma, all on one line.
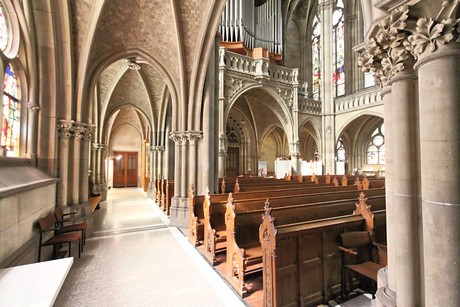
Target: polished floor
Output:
[(136, 259)]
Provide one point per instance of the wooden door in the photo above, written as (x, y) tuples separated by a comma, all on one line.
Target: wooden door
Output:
[(125, 170), (233, 161)]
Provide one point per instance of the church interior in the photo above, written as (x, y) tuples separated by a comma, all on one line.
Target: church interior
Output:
[(261, 132)]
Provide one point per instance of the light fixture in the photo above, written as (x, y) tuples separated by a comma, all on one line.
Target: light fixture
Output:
[(132, 64)]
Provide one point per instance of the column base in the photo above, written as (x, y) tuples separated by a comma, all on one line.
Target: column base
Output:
[(385, 297), (151, 190), (179, 212)]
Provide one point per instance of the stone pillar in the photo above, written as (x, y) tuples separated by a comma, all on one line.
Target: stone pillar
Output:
[(294, 158), (94, 165), (32, 131), (439, 93), (386, 293), (151, 189), (160, 150), (179, 208), (103, 148), (405, 207), (65, 134), (326, 8), (222, 156), (84, 178), (193, 137), (79, 132)]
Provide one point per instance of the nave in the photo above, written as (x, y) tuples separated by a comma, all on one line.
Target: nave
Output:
[(135, 259)]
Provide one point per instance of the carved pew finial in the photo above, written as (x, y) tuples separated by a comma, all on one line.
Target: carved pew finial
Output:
[(328, 178), (335, 182), (365, 210), (358, 184), (344, 181), (237, 186), (222, 186), (267, 238), (365, 183)]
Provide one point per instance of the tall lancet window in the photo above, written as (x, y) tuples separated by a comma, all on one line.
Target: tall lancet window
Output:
[(3, 28), (338, 36), (316, 58), (11, 114), (376, 147)]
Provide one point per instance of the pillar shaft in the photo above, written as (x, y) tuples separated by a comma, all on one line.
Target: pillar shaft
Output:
[(439, 92), (405, 207)]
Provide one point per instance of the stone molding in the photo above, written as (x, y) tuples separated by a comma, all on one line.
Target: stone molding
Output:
[(401, 39), (179, 138), (194, 136)]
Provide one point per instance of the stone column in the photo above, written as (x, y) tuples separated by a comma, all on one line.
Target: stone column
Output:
[(79, 131), (160, 150), (32, 136), (152, 188), (94, 165), (65, 134), (222, 156), (439, 92), (84, 179), (102, 154), (193, 137), (326, 8), (405, 207), (386, 293), (294, 158), (179, 207)]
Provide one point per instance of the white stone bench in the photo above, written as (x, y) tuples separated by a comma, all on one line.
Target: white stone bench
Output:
[(36, 284)]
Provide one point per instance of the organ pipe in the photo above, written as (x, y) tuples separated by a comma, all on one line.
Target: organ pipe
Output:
[(255, 26)]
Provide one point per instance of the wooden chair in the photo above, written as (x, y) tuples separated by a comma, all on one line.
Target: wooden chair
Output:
[(360, 245), (48, 223), (61, 228)]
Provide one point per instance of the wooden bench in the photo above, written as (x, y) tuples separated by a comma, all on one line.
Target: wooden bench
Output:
[(94, 202), (244, 253), (214, 212), (301, 261)]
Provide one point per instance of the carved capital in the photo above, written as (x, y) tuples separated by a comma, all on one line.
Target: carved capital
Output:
[(386, 53), (65, 129), (32, 107), (178, 137), (194, 136), (430, 34)]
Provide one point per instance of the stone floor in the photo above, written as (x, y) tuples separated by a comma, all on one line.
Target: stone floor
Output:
[(135, 259)]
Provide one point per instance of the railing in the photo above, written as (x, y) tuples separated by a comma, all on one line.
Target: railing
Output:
[(362, 98), (258, 68), (308, 105)]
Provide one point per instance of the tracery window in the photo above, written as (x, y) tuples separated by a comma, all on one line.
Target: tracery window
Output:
[(338, 36), (11, 113), (376, 147), (316, 57), (4, 31)]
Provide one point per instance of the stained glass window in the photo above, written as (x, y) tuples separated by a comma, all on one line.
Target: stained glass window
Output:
[(3, 28), (338, 36), (376, 147), (316, 57), (11, 113)]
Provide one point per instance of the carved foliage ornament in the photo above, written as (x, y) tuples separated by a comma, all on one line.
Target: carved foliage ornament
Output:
[(386, 54), (429, 34)]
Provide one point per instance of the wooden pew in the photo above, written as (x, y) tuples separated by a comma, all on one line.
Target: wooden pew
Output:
[(302, 262), (169, 195), (196, 217), (215, 220), (214, 212), (244, 253)]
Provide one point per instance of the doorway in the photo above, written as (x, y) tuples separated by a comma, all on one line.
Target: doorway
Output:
[(125, 170), (233, 161)]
